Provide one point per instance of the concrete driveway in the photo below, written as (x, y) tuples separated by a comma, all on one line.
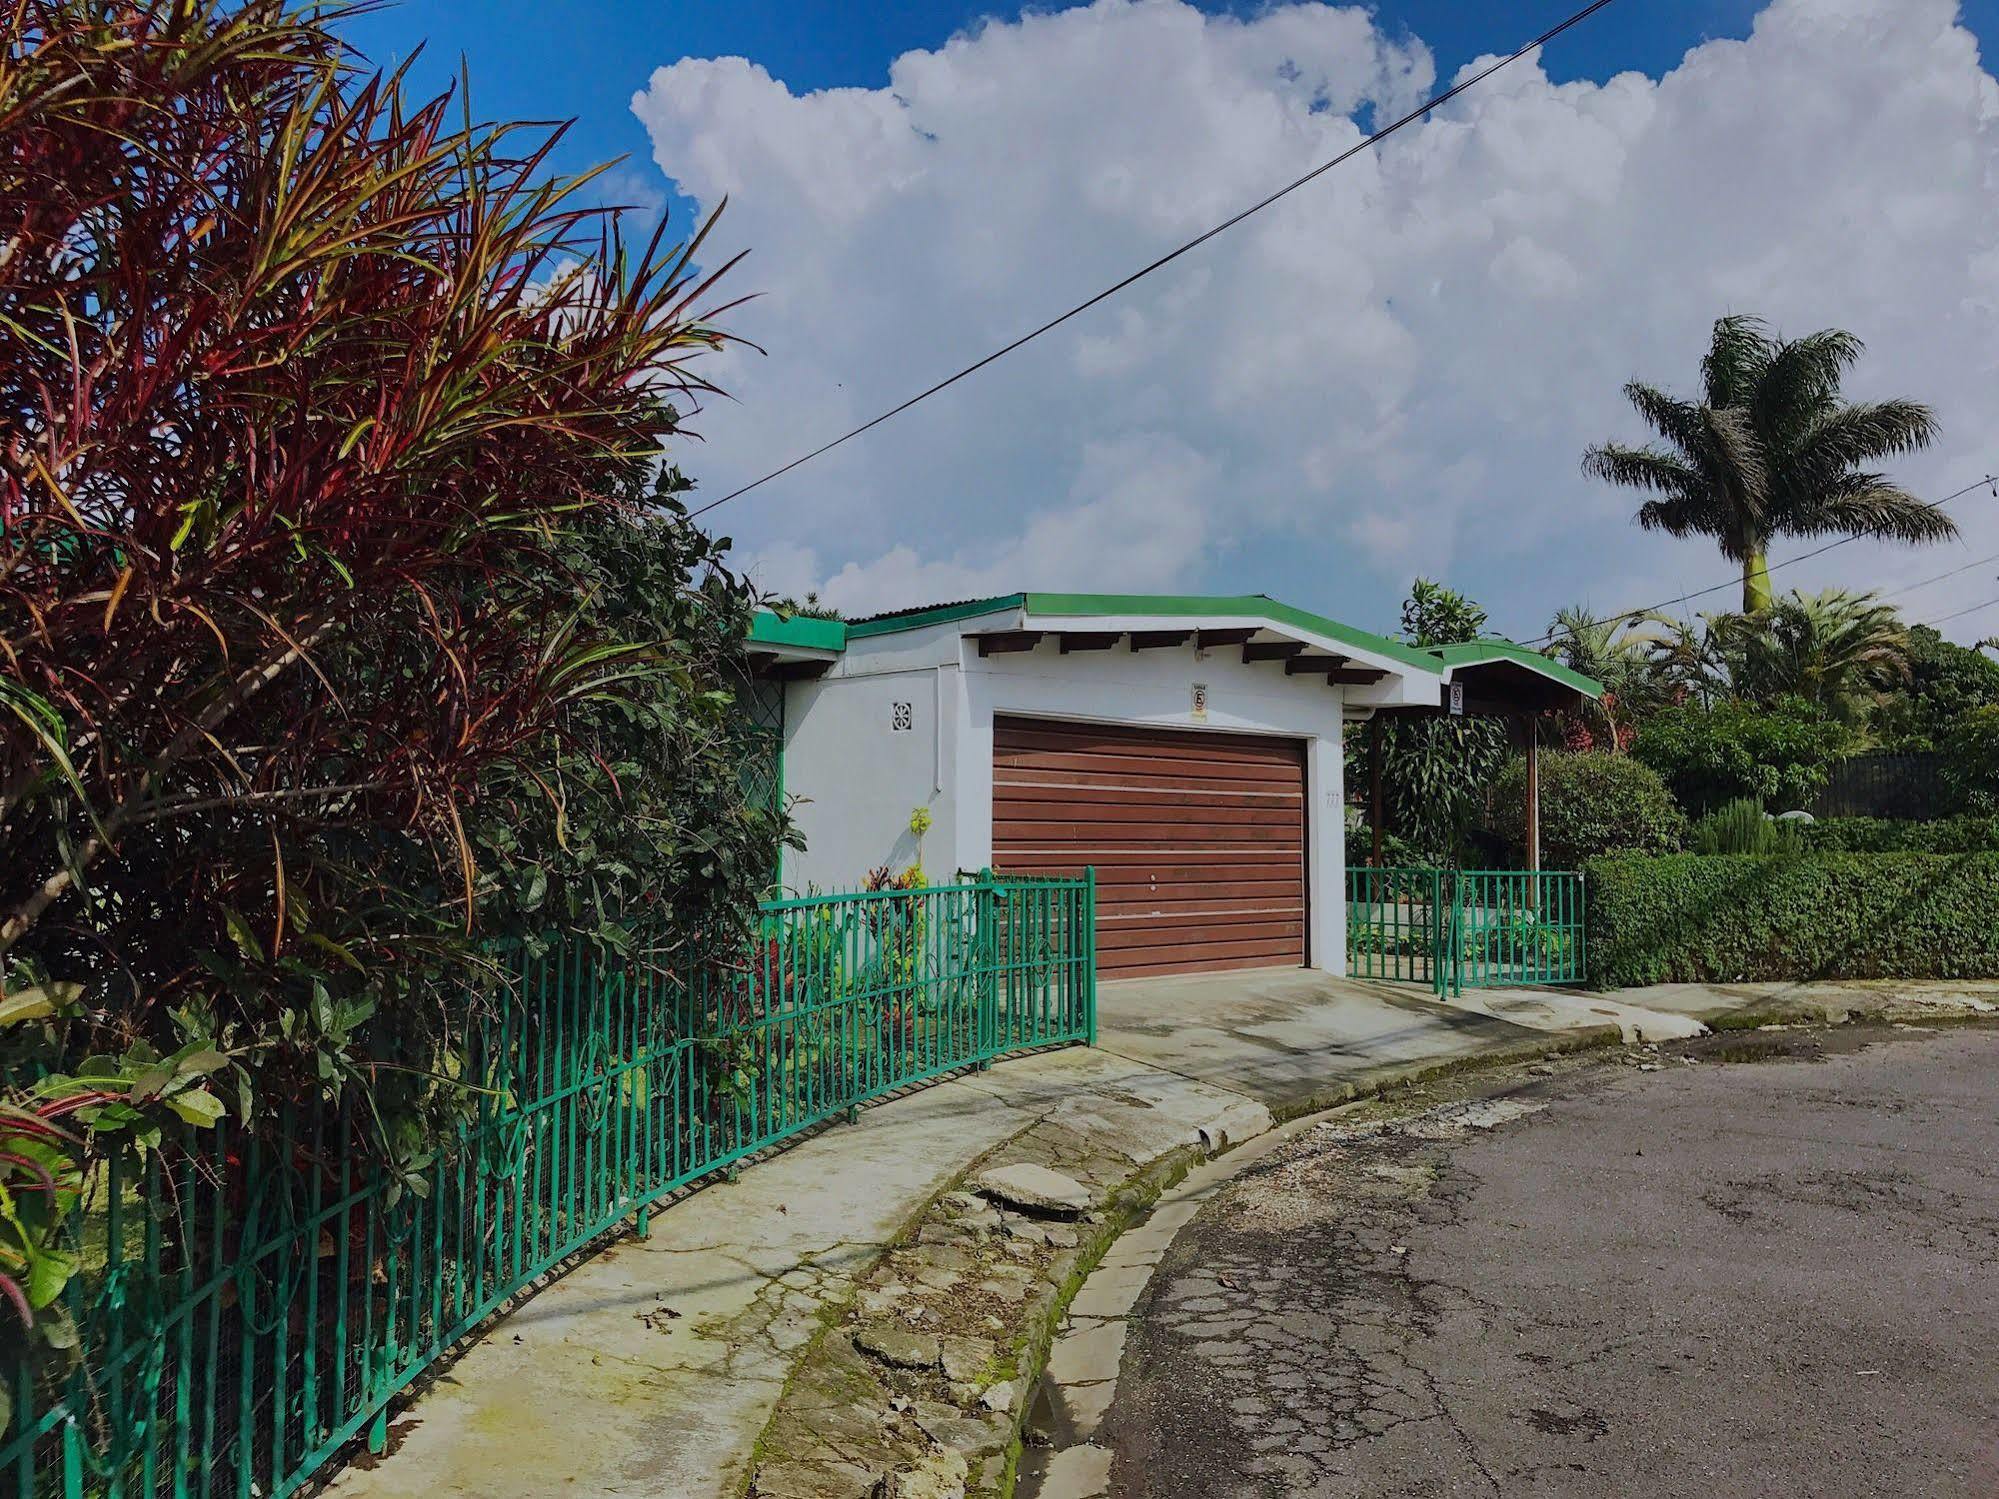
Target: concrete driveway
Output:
[(1291, 1037)]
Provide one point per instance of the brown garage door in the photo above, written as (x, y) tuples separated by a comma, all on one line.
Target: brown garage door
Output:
[(1198, 839)]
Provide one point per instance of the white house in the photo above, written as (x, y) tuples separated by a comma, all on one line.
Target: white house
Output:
[(1189, 749)]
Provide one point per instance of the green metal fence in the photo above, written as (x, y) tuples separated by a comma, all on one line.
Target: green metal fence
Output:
[(248, 1312), (1395, 923), (1458, 929)]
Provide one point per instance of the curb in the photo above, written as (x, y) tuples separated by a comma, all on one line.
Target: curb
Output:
[(1124, 1203)]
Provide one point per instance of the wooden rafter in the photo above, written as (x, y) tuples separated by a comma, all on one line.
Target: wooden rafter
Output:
[(1272, 650), (1001, 642)]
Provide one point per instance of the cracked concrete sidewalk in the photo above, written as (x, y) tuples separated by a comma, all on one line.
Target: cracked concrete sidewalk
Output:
[(652, 1368)]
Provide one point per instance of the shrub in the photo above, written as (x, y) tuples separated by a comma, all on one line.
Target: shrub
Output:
[(1779, 755), (1971, 760), (1964, 834), (1946, 680), (303, 385), (1697, 919), (1743, 827), (1591, 804)]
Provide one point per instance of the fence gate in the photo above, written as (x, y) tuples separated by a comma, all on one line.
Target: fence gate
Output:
[(1458, 929)]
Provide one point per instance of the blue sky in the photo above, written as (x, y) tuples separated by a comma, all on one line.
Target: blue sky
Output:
[(583, 59), (1393, 372)]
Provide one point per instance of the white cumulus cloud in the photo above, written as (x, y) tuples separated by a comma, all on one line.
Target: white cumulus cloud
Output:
[(1394, 370)]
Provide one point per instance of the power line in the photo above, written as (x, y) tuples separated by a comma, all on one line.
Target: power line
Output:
[(1172, 255), (1962, 612), (1894, 593), (1736, 582)]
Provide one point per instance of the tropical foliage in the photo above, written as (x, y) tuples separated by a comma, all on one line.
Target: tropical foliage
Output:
[(1743, 827), (1434, 770), (1772, 449), (1841, 652), (1620, 655), (1777, 754), (1971, 760), (1591, 804), (326, 609), (1946, 680)]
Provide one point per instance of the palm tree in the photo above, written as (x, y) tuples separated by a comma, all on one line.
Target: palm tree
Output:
[(1688, 659), (1772, 450), (1609, 651), (1688, 656), (1843, 651)]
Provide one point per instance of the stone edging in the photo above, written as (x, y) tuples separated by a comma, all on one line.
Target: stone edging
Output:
[(918, 1388)]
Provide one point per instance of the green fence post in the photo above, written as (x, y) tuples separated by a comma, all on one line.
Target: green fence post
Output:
[(1089, 946)]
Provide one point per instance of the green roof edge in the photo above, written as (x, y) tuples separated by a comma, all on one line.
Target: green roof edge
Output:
[(1087, 604), (942, 614), (1473, 652), (1255, 605), (802, 631)]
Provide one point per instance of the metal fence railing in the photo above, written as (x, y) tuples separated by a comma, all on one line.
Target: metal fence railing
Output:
[(1458, 929), (1395, 921), (248, 1312)]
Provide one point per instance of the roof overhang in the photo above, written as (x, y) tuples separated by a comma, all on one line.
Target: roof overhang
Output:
[(1372, 670), (1500, 677), (1375, 673), (792, 646)]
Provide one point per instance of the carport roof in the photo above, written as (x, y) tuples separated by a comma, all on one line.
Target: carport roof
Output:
[(1463, 660)]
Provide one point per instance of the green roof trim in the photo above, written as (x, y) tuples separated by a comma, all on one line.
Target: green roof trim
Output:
[(916, 619), (1480, 652), (799, 631), (1254, 605), (1041, 607)]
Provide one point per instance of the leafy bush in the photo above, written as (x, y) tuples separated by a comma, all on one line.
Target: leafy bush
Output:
[(1743, 827), (1964, 834), (304, 386), (1434, 769), (1779, 755), (1696, 919), (1591, 804), (1971, 760), (1946, 680)]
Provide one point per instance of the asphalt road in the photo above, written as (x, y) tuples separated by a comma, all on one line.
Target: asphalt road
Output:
[(1764, 1277)]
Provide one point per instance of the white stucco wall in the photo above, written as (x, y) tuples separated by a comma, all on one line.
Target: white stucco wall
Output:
[(859, 777), (856, 777)]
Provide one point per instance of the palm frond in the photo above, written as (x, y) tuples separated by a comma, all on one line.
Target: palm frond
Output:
[(1641, 468), (1847, 436), (1860, 504), (1679, 422), (1737, 355)]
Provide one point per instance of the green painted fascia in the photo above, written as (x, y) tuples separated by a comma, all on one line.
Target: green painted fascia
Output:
[(1087, 605), (805, 632), (942, 614), (1478, 652)]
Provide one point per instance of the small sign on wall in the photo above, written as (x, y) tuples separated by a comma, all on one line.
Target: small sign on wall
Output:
[(1457, 700), (1200, 701)]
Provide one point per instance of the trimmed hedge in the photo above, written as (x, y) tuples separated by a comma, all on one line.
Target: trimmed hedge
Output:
[(1963, 834), (1692, 918), (1591, 804)]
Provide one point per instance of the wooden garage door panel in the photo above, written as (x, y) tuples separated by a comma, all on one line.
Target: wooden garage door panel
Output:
[(1198, 839), (1186, 808)]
